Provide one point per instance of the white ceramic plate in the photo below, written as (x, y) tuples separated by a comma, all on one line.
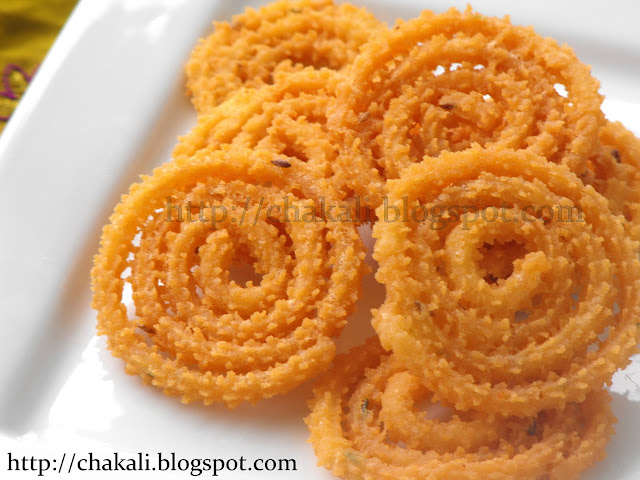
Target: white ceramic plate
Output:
[(107, 105)]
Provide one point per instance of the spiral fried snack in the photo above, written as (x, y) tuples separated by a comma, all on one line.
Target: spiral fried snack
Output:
[(288, 118), (616, 173), (443, 82), (557, 327), (283, 36), (366, 424), (197, 333)]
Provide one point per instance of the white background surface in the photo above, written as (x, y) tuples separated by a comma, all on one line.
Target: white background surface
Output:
[(107, 105)]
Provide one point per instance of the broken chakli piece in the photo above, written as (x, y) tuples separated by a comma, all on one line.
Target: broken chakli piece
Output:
[(368, 422), (557, 327), (194, 331)]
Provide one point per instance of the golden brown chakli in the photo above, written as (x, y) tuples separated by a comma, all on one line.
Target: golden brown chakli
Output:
[(195, 332), (283, 36), (366, 423), (556, 328)]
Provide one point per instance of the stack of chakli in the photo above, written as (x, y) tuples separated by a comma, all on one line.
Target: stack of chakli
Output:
[(506, 219)]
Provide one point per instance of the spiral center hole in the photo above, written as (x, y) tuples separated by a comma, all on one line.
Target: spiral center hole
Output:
[(242, 272), (498, 259), (435, 411)]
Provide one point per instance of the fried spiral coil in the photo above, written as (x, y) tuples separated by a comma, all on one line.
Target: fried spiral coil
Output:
[(366, 424), (616, 173), (196, 332), (559, 325), (444, 82), (288, 118), (283, 36)]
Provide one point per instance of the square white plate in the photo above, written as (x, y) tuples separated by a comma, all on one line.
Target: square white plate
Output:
[(107, 105)]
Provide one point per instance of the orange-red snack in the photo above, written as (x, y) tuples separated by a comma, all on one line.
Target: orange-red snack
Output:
[(193, 330), (616, 173), (283, 36), (443, 82), (557, 327), (366, 423), (287, 118)]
